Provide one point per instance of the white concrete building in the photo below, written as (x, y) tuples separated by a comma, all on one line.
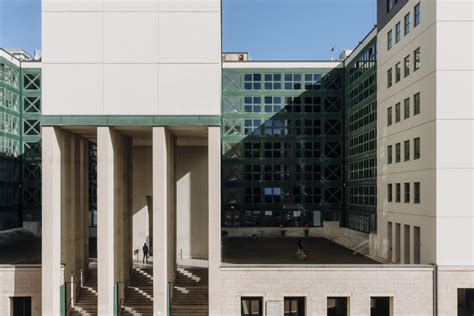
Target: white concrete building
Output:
[(219, 164)]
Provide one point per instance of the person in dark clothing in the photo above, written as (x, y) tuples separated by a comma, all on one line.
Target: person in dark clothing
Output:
[(300, 253), (145, 253)]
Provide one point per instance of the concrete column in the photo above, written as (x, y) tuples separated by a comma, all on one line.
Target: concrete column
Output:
[(214, 156), (110, 208), (160, 219), (74, 207), (51, 220), (84, 201)]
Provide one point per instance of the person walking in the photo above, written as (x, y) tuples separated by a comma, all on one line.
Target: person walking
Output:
[(145, 253)]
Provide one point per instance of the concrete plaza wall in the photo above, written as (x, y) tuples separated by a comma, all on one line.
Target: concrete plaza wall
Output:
[(411, 287), (20, 281)]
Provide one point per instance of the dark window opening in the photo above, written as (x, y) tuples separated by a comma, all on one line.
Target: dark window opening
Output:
[(251, 306), (294, 306), (337, 306), (21, 306), (380, 306)]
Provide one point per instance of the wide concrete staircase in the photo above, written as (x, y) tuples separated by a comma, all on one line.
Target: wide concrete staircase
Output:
[(190, 292), (139, 292), (351, 239), (86, 303)]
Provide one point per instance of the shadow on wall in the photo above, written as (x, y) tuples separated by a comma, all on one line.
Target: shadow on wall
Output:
[(283, 152), (192, 201)]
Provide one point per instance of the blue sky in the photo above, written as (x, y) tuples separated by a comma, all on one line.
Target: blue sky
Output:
[(267, 29)]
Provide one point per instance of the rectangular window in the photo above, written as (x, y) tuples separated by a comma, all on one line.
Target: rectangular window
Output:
[(21, 306), (389, 192), (406, 106), (389, 154), (398, 32), (416, 104), (417, 192), (417, 59), (397, 152), (407, 23), (294, 306), (389, 40), (407, 193), (251, 306), (465, 301), (397, 192), (397, 113), (389, 116), (380, 306), (416, 148), (406, 148), (398, 72), (407, 66), (417, 14), (389, 78), (337, 306)]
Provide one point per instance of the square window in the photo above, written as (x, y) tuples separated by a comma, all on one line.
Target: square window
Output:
[(338, 306), (251, 306), (294, 306), (381, 306)]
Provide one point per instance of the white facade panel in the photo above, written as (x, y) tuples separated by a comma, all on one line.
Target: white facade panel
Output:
[(189, 5), (455, 52), (454, 95), (72, 37), (454, 193), (455, 10), (131, 5), (189, 37), (72, 89), (455, 241), (189, 89), (130, 89), (72, 5), (451, 152), (130, 37)]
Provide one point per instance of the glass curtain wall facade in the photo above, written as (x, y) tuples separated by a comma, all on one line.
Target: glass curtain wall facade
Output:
[(361, 140), (282, 138), (20, 138), (10, 139)]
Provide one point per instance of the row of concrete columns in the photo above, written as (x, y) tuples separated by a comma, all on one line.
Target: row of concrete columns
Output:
[(65, 197), (65, 212)]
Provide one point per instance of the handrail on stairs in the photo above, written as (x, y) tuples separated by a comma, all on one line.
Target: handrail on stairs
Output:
[(357, 248)]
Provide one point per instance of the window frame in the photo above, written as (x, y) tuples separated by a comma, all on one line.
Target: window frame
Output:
[(398, 32), (417, 148), (417, 14), (389, 78), (398, 193), (406, 108), (407, 20), (406, 66), (389, 154), (406, 150), (416, 103), (417, 59), (250, 299), (406, 192), (416, 192), (389, 192), (398, 152), (398, 114), (389, 116), (389, 40), (299, 300), (398, 72)]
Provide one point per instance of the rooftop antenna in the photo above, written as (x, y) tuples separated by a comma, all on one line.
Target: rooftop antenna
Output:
[(333, 53)]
